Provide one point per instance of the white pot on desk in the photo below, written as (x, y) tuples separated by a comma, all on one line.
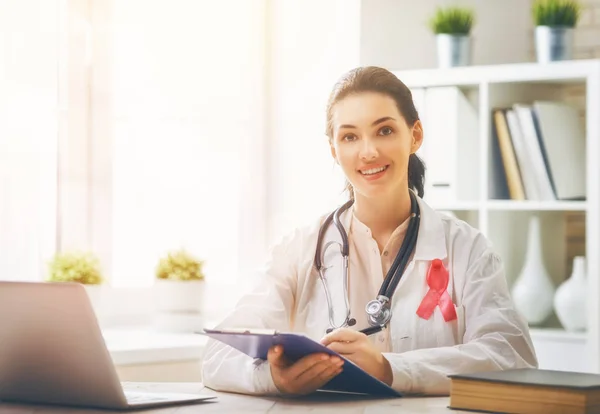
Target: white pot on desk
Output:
[(179, 305)]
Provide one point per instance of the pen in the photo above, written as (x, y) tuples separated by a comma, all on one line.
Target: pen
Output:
[(372, 330)]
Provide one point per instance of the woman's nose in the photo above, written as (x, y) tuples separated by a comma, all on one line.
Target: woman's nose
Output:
[(368, 150)]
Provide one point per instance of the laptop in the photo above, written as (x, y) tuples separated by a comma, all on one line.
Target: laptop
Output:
[(52, 352)]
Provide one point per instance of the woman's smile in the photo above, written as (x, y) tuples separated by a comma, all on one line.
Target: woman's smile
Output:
[(374, 172)]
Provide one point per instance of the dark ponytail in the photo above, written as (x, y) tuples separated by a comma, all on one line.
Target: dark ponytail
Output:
[(375, 79), (416, 174)]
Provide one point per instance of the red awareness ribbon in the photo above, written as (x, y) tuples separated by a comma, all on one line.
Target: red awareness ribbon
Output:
[(437, 279)]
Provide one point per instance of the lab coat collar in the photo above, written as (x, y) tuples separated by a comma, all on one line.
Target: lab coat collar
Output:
[(431, 241)]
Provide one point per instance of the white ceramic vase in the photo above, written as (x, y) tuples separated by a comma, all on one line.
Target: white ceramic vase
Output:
[(570, 299), (533, 291)]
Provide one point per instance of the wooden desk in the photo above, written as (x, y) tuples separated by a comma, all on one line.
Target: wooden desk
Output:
[(235, 403)]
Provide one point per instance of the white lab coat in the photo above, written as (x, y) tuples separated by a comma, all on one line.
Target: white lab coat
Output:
[(488, 334)]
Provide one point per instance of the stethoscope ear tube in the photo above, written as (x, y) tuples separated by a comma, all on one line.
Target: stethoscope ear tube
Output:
[(318, 262), (333, 216)]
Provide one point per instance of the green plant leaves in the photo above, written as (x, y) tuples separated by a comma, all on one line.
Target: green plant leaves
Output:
[(80, 267), (179, 265), (556, 12), (452, 20)]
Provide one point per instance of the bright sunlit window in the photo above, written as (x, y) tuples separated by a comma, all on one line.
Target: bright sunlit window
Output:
[(29, 118), (188, 117)]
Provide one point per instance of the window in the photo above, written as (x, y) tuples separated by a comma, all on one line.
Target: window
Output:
[(187, 90)]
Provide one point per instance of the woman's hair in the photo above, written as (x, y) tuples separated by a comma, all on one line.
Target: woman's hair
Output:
[(375, 79)]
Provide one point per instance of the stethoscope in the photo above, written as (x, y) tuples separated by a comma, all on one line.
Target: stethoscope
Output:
[(378, 310)]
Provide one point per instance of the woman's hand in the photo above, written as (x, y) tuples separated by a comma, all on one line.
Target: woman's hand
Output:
[(356, 347), (305, 375)]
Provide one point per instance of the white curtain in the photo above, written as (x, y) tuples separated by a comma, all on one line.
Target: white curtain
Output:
[(29, 117)]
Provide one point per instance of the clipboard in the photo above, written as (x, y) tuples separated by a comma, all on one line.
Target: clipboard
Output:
[(256, 344)]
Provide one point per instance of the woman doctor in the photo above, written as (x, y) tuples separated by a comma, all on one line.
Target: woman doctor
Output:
[(451, 311)]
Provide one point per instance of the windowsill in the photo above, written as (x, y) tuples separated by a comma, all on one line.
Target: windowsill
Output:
[(143, 345)]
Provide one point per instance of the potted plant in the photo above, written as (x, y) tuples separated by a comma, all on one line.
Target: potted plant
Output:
[(555, 21), (78, 267), (179, 290), (452, 27)]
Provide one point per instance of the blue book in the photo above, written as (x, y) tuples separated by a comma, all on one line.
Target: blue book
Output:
[(256, 344)]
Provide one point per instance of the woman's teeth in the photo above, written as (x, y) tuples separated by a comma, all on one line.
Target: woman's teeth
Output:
[(373, 171)]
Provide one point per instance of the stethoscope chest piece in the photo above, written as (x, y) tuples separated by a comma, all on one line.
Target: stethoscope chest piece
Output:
[(378, 311)]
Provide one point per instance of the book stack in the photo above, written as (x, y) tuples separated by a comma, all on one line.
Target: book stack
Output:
[(526, 391), (539, 152)]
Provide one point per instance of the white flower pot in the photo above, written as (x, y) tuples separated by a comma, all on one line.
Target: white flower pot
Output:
[(179, 296), (179, 305), (553, 43), (570, 302), (453, 50)]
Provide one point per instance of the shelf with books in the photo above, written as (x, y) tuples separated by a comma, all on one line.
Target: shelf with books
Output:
[(537, 141), (513, 142)]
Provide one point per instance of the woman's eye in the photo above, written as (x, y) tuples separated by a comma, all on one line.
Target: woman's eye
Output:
[(349, 137), (386, 131)]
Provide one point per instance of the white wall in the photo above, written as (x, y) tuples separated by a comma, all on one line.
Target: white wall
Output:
[(395, 33), (313, 42)]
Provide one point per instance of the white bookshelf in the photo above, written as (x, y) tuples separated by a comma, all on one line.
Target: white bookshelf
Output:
[(505, 221)]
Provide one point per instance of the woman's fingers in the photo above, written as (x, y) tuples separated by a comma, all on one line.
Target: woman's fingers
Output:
[(313, 373), (306, 363), (276, 358), (345, 348), (342, 335), (330, 372), (305, 375), (318, 374)]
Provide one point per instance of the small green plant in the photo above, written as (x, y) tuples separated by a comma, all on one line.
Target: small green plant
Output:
[(452, 20), (179, 265), (80, 267), (556, 13)]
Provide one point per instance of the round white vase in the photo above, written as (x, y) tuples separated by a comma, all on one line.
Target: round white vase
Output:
[(570, 302), (533, 291)]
